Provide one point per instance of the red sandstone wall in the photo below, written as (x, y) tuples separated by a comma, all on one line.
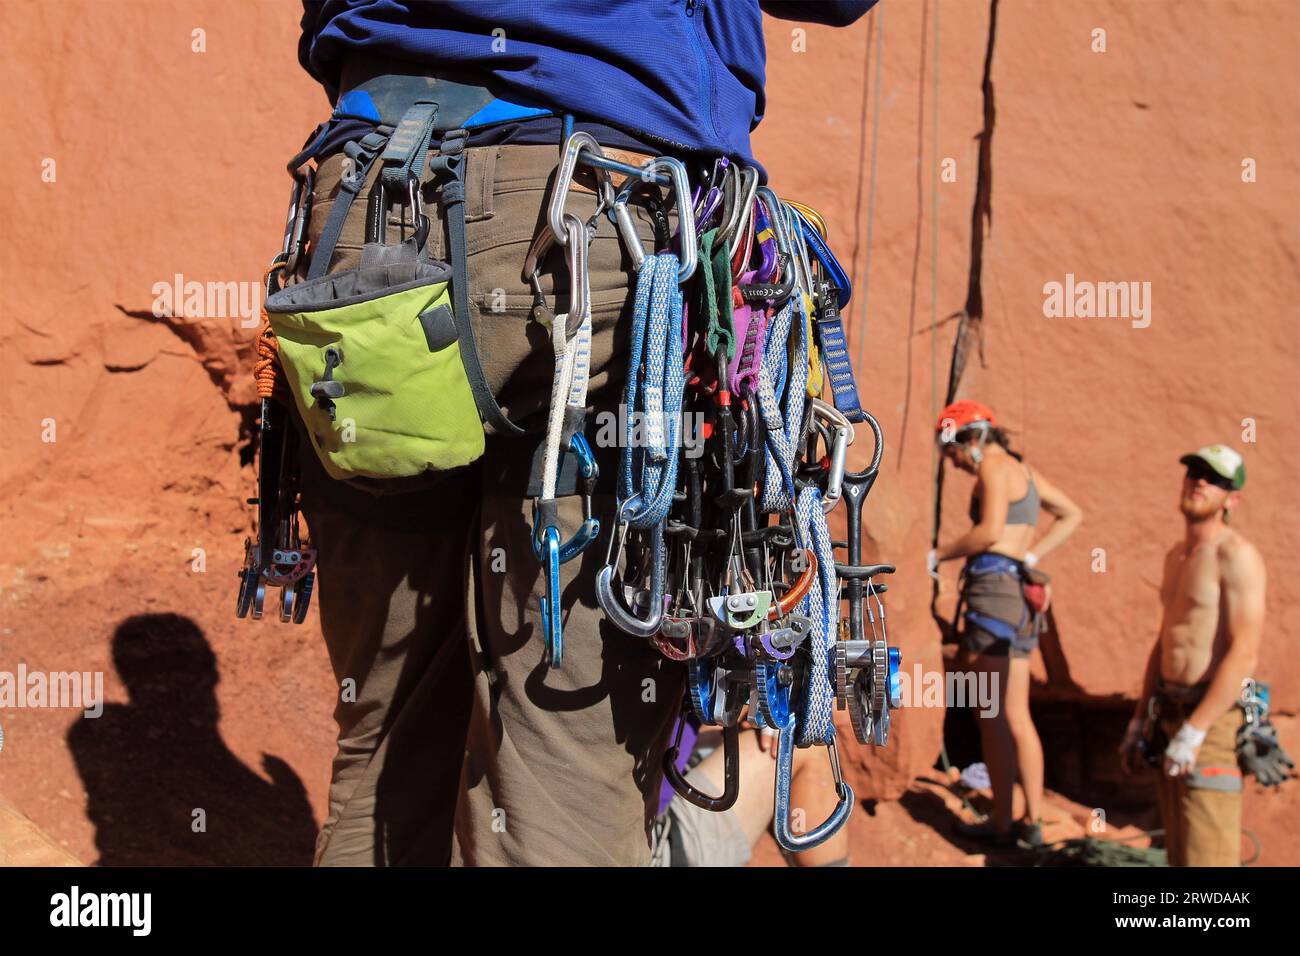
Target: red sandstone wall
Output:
[(1123, 165)]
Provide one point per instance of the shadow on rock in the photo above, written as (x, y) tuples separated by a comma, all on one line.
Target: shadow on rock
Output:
[(150, 765), (930, 809)]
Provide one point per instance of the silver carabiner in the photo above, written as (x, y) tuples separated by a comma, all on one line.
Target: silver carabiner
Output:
[(838, 452), (685, 220), (576, 239), (799, 246), (784, 774), (620, 616), (573, 147), (304, 184), (627, 228), (579, 240), (734, 177), (776, 214), (749, 176)]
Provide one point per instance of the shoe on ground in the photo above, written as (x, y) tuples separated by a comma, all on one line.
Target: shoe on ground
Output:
[(985, 832), (1028, 836)]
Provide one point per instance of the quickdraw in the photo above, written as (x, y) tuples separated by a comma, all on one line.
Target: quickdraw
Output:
[(652, 442), (568, 394)]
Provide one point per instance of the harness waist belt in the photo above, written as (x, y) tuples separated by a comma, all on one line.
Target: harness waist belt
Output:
[(1180, 695), (384, 98), (990, 563)]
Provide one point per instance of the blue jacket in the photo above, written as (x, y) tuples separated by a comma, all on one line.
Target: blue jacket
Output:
[(683, 74)]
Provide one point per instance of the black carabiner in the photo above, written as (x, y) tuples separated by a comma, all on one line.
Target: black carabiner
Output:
[(777, 293), (731, 755), (377, 213)]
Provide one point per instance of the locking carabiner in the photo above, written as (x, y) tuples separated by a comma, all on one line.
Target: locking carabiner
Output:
[(784, 774), (377, 213)]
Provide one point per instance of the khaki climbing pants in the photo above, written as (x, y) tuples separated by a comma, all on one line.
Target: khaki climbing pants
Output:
[(457, 741), (1202, 810)]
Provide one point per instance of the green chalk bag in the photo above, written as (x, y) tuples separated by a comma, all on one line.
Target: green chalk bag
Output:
[(382, 359), (373, 358)]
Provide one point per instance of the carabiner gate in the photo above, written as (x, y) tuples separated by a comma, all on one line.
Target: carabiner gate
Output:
[(576, 259), (685, 221), (842, 429)]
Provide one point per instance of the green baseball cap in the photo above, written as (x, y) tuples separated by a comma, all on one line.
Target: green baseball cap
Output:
[(1224, 461)]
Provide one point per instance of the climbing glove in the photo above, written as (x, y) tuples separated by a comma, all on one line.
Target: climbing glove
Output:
[(1260, 752)]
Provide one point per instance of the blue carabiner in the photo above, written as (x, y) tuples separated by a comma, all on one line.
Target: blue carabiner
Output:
[(552, 552), (822, 252), (551, 625), (784, 774)]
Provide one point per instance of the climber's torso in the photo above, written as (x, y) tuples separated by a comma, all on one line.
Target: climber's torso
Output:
[(1193, 633)]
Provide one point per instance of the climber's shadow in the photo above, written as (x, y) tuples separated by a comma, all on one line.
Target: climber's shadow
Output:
[(150, 764)]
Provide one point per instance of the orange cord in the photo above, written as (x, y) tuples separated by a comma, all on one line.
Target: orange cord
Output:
[(267, 373)]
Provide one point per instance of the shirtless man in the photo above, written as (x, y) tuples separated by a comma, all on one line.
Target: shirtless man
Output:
[(1213, 597)]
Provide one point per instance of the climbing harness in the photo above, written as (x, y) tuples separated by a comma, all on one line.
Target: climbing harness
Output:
[(335, 351), (720, 553), (991, 564)]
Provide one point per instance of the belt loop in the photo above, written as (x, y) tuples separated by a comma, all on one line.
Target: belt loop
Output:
[(480, 183)]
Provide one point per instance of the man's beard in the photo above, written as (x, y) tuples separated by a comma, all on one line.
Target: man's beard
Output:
[(1198, 509)]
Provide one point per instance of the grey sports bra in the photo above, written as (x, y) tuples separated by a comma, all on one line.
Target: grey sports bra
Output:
[(1023, 510)]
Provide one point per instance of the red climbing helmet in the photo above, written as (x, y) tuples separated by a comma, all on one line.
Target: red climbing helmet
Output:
[(961, 415)]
